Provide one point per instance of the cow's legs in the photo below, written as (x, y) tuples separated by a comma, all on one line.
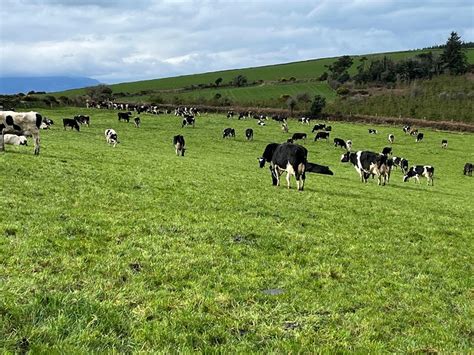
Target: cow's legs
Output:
[(417, 179), (2, 143), (37, 142)]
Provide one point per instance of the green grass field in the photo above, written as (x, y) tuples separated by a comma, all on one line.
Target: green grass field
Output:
[(135, 249)]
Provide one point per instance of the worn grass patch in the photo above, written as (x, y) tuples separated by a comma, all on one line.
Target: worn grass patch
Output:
[(135, 249)]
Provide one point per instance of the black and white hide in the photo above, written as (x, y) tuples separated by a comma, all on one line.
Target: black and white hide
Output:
[(387, 150), (124, 116), (24, 123), (111, 137), (467, 169), (228, 133), (369, 163), (249, 134), (400, 162), (321, 135), (420, 170), (391, 138), (284, 127), (137, 122), (406, 129), (179, 145), (419, 137), (372, 131), (444, 143), (296, 136), (188, 121), (317, 127), (338, 142), (83, 119), (71, 123), (349, 145)]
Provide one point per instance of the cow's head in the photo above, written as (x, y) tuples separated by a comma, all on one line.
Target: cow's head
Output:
[(345, 157), (261, 162)]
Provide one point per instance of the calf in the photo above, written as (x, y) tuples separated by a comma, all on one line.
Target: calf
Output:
[(228, 132), (178, 142), (249, 134), (13, 139), (444, 143), (137, 122), (401, 162), (297, 136), (340, 142), (349, 145), (391, 138), (372, 131), (423, 170), (111, 137), (188, 121), (46, 123), (468, 169), (70, 122), (20, 122), (317, 127), (321, 135), (387, 151), (125, 116), (419, 137), (369, 163), (82, 119)]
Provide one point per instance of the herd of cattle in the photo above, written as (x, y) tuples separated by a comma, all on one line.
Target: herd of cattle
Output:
[(286, 157)]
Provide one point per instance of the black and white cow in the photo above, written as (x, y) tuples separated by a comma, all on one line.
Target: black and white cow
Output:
[(420, 170), (291, 158), (419, 137), (340, 142), (406, 129), (137, 122), (369, 163), (125, 116), (20, 122), (317, 127), (444, 143), (228, 133), (284, 127), (391, 138), (387, 150), (298, 135), (400, 162), (413, 131), (328, 128), (188, 121), (83, 119), (261, 122), (230, 114), (372, 131), (46, 123), (13, 139), (321, 135), (111, 137), (72, 123), (179, 145), (289, 140), (304, 120), (249, 134), (349, 145), (468, 169)]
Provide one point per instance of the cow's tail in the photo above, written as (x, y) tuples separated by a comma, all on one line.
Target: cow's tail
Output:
[(318, 169)]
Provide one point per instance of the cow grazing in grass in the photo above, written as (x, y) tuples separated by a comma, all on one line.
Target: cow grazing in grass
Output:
[(387, 151), (400, 162), (13, 139), (124, 116), (261, 122), (71, 123), (369, 163), (137, 122), (291, 158), (372, 131), (317, 127), (111, 137), (304, 120), (188, 121), (467, 169), (21, 123), (298, 135), (419, 137), (413, 131), (444, 143), (420, 170), (284, 127), (406, 129), (249, 134), (321, 135), (230, 114), (338, 142), (391, 138), (83, 119), (228, 133), (328, 128), (179, 145)]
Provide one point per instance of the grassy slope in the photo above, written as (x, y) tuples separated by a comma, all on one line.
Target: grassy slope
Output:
[(133, 248)]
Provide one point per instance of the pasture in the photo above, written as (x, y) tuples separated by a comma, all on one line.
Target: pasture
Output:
[(135, 249)]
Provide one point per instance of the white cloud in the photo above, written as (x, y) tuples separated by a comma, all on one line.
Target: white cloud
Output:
[(121, 40)]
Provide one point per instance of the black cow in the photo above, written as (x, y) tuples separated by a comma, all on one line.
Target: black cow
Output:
[(125, 116), (328, 128), (468, 169), (340, 142), (317, 127), (291, 158), (137, 122), (297, 136), (372, 131), (71, 122), (321, 135), (401, 162), (387, 150), (82, 119), (178, 142), (413, 132), (290, 140), (423, 170), (419, 137), (249, 134), (369, 163), (230, 114), (444, 143), (188, 121), (228, 132)]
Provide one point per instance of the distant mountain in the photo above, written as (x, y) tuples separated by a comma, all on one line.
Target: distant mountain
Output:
[(14, 85)]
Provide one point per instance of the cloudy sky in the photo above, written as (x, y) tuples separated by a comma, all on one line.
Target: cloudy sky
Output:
[(127, 40)]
